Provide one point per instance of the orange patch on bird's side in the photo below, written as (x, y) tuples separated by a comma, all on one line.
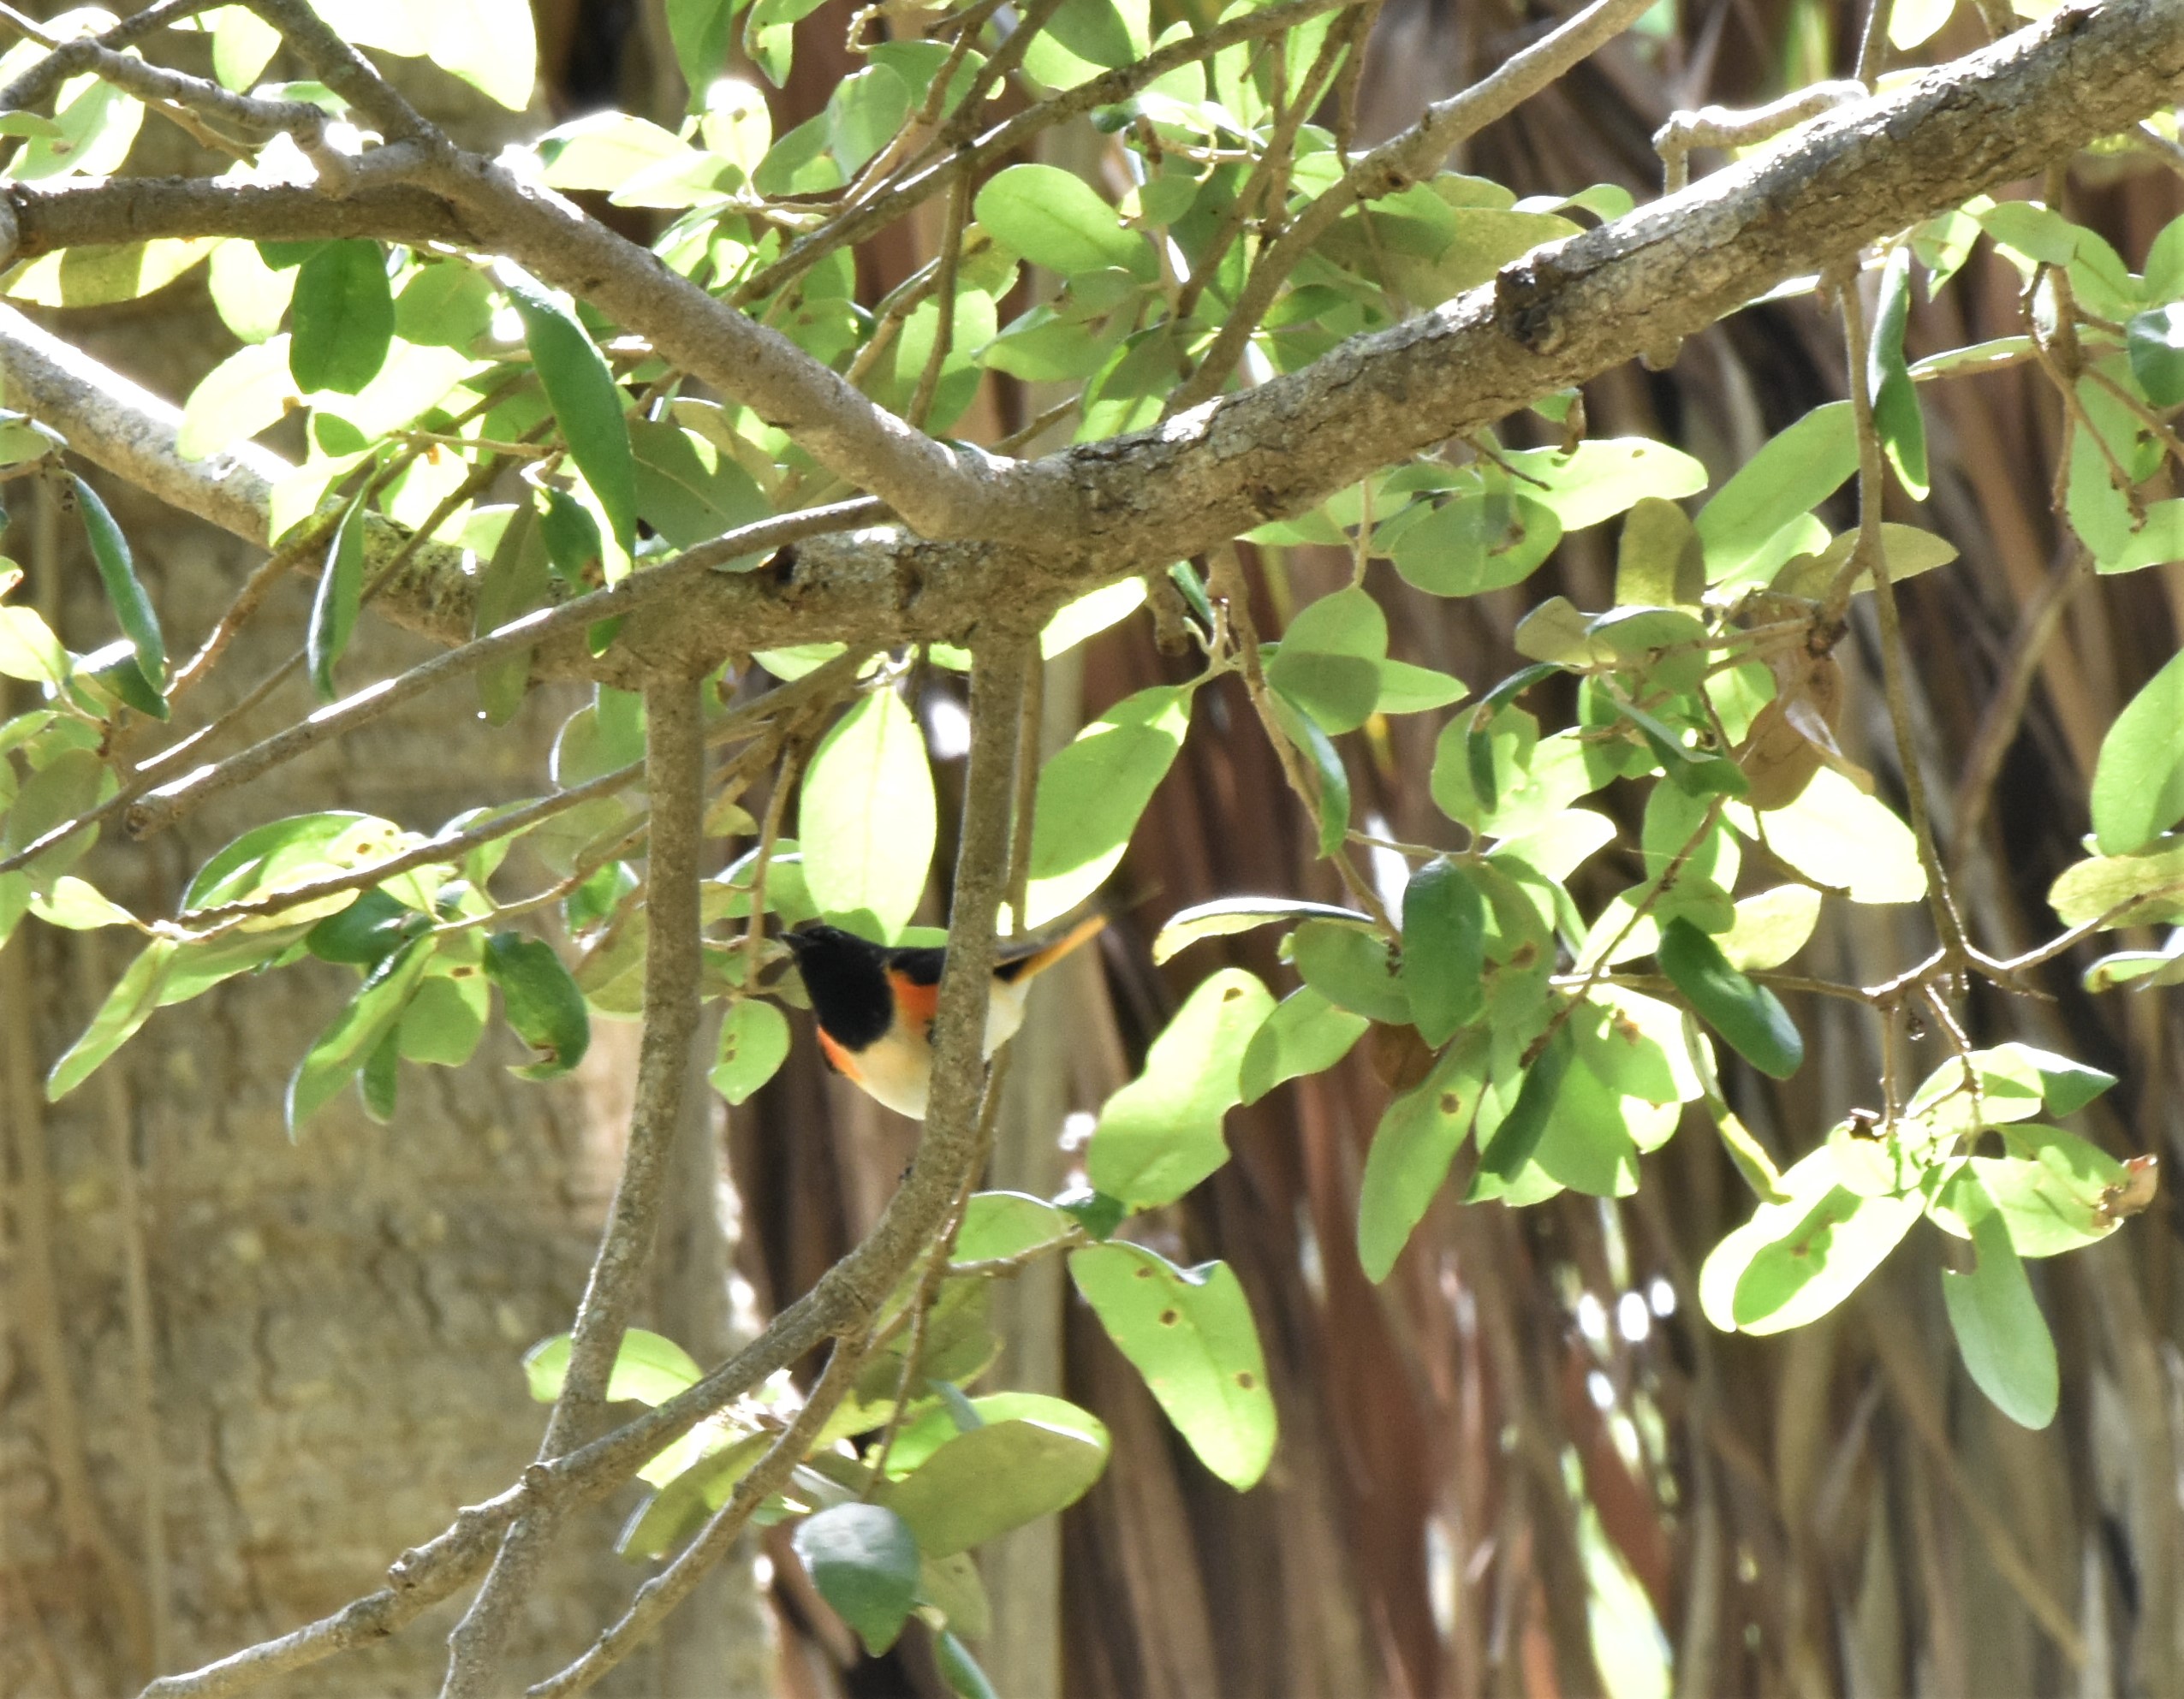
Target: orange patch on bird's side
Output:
[(844, 1060), (916, 1003)]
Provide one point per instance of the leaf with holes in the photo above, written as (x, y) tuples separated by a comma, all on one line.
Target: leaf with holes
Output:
[(1189, 1332)]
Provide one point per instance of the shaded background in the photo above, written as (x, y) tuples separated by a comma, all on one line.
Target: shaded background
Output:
[(1524, 1466)]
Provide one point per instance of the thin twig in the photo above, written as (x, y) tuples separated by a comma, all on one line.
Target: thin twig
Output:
[(664, 1591), (1871, 483), (1395, 165), (160, 809)]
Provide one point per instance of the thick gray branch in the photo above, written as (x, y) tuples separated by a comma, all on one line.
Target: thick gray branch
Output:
[(1562, 314)]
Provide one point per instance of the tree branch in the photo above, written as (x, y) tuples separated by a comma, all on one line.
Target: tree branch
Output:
[(1561, 315), (675, 777)]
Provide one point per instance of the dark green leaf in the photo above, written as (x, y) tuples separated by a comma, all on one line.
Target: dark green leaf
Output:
[(586, 401), (1327, 767), (1897, 417), (572, 539), (355, 1033), (367, 932), (110, 552), (863, 1560), (515, 581), (1518, 1136), (1748, 1015), (340, 595), (1444, 945), (2155, 340), (343, 316), (686, 487), (541, 1002)]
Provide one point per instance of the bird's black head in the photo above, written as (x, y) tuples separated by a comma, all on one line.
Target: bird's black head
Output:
[(847, 978)]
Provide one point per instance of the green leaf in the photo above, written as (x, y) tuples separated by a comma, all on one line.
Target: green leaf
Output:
[(926, 1432), (699, 30), (1091, 793), (1749, 1016), (587, 402), (2003, 1338), (1053, 218), (444, 305), (1333, 778), (1330, 659), (2124, 890), (348, 1041), (1897, 418), (1603, 477), (2139, 781), (367, 932), (1405, 689), (1481, 540), (2052, 1188), (1189, 1332), (284, 854), (127, 1007), (1305, 1034), (648, 1369), (863, 112), (340, 595), (110, 552), (446, 1020), (1230, 915), (1004, 1223), (1911, 23), (1795, 1261), (2155, 341), (1514, 1142), (29, 651), (753, 1044), (246, 392), (1794, 474), (1160, 1135), (866, 817), (341, 318), (541, 1002), (863, 1560), (1771, 927), (686, 487), (1840, 839), (995, 1477), (1444, 949), (1090, 615), (77, 906), (1417, 1139), (1352, 967)]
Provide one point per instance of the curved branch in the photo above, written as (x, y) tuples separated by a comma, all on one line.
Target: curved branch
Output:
[(1114, 508)]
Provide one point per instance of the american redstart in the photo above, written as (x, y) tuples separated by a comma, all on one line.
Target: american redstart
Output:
[(875, 1003)]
